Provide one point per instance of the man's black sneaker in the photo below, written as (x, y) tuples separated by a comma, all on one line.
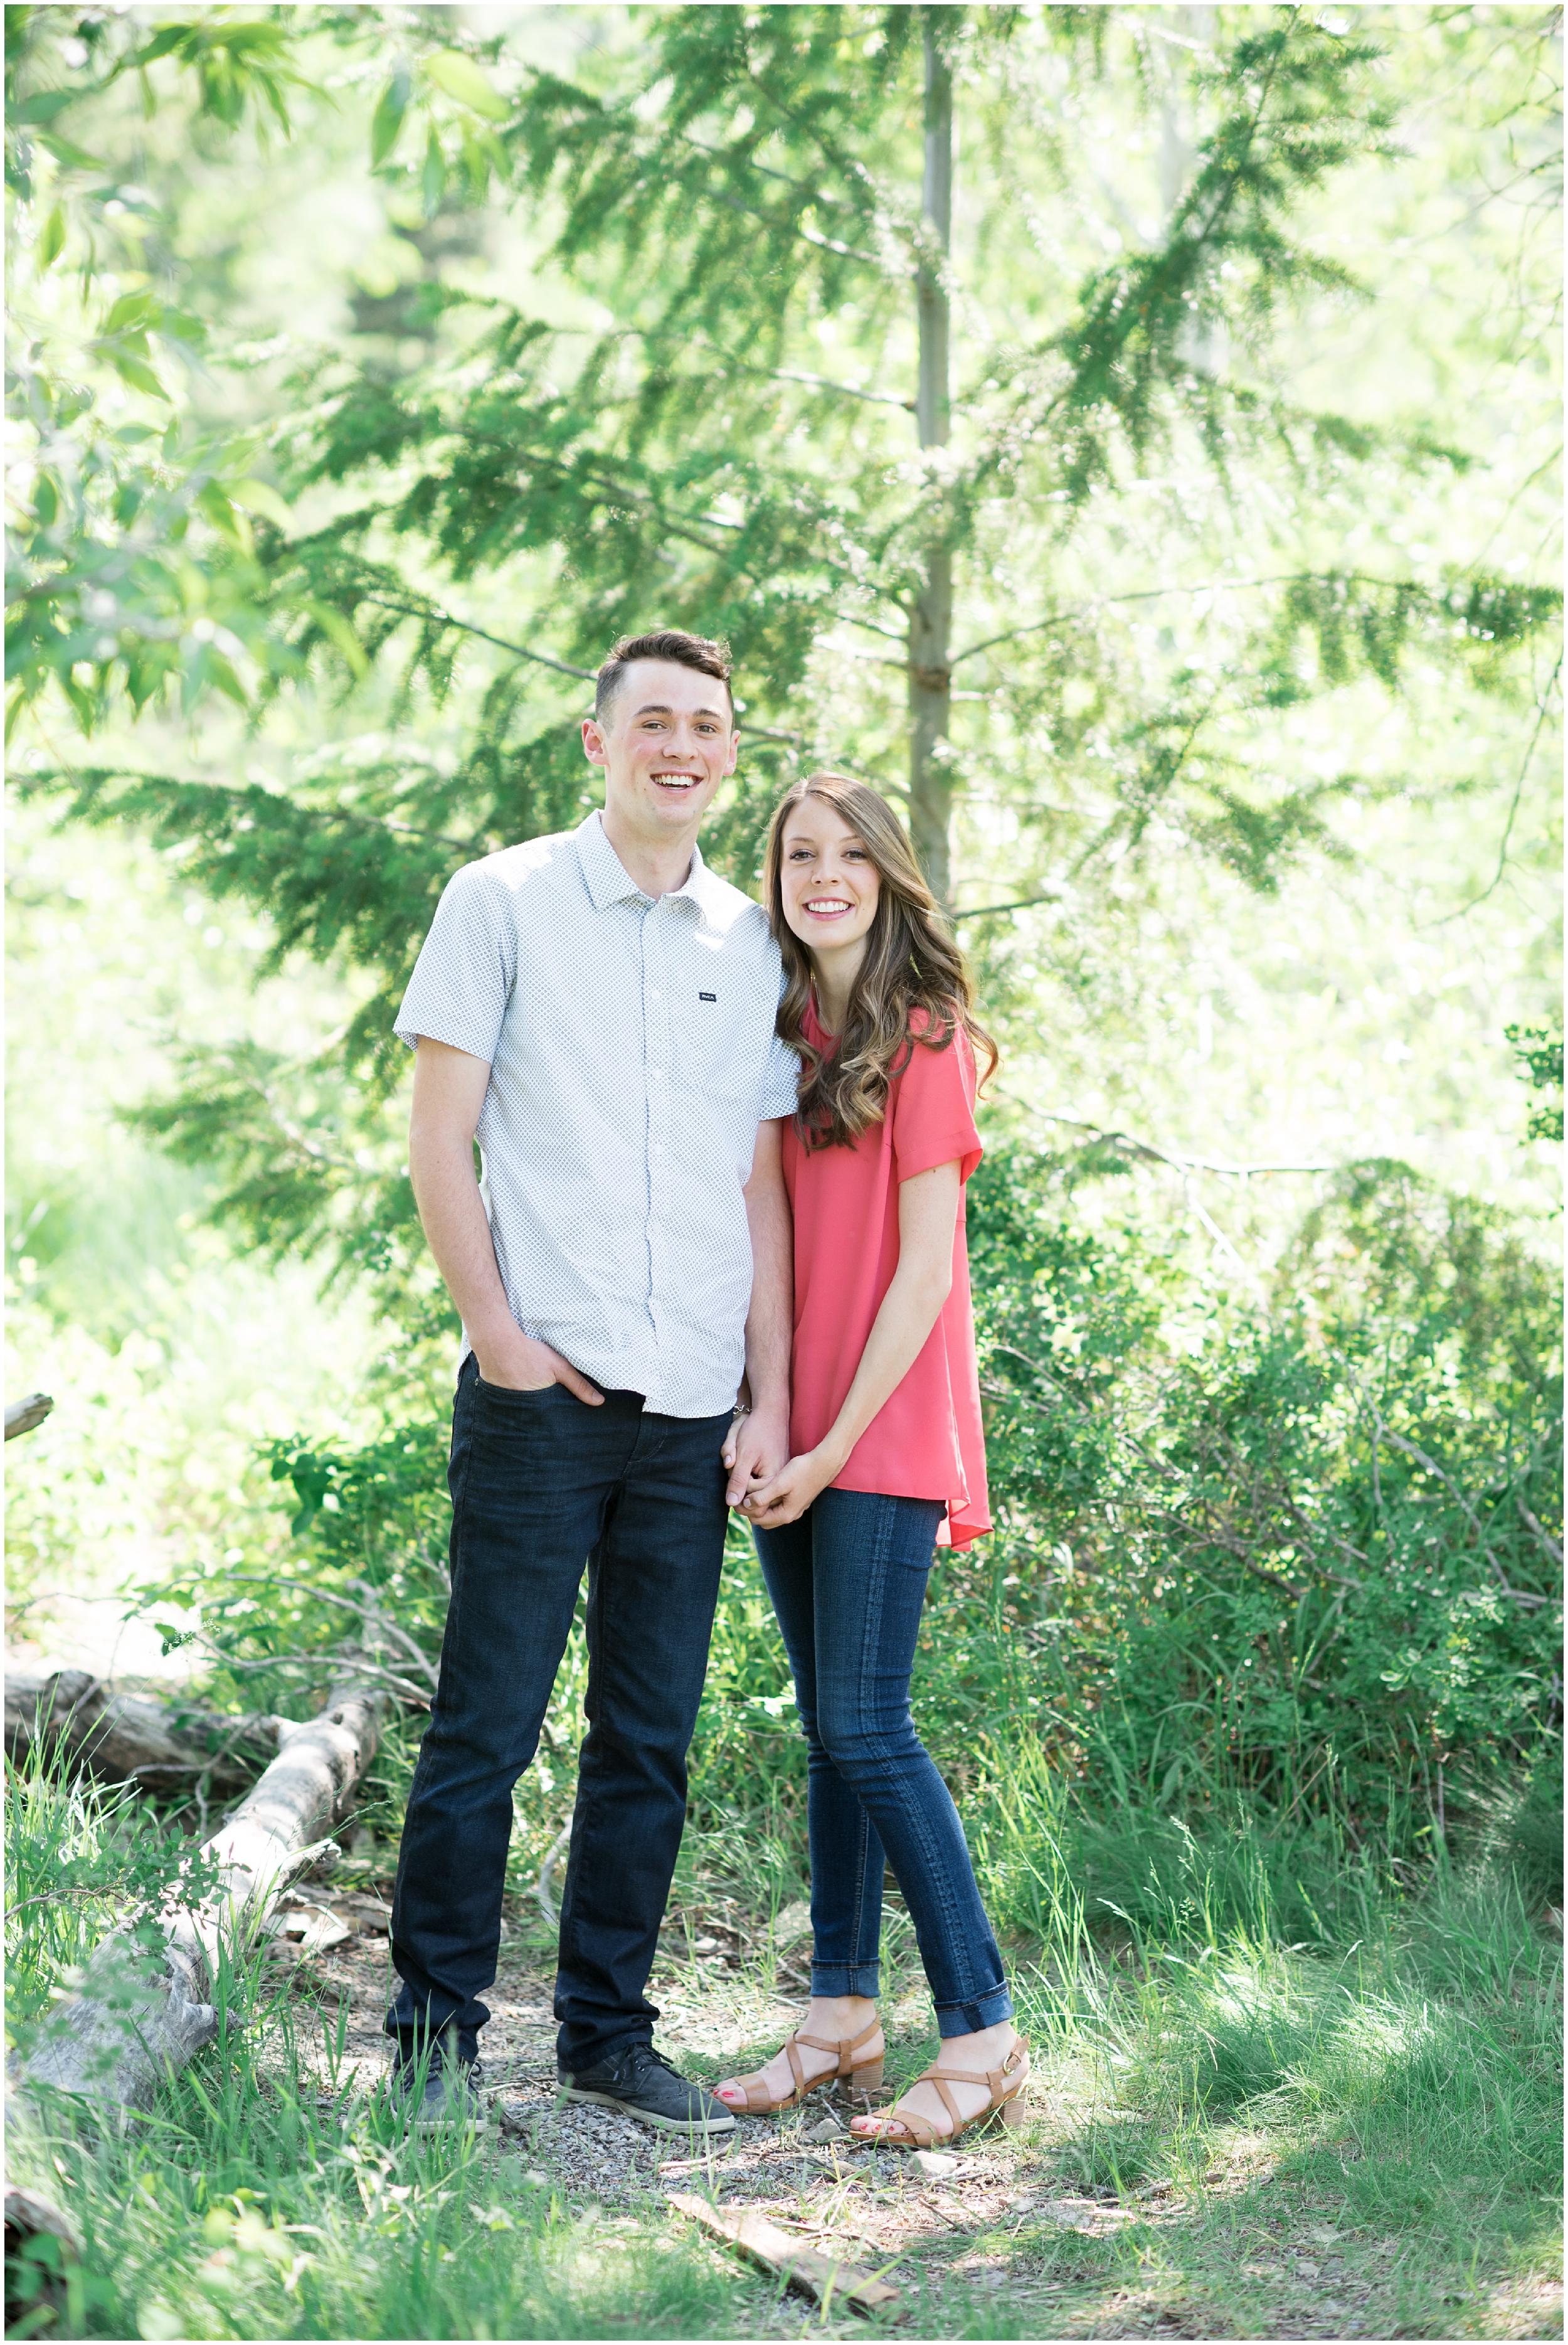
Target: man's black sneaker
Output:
[(440, 2092), (635, 2081)]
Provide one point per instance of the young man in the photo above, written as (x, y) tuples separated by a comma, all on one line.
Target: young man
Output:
[(597, 1009)]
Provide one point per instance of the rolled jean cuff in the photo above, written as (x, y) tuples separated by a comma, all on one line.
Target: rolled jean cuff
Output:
[(968, 2018), (846, 1978)]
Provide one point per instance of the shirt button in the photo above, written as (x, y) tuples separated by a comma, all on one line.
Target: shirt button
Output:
[(653, 993)]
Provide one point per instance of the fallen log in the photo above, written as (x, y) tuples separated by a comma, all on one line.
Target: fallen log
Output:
[(30, 2221), (128, 1738), (27, 2216), (816, 2275), (22, 1415), (141, 2014)]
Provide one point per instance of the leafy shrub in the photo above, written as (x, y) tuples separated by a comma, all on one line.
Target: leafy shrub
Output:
[(1286, 1572), (1302, 1556)]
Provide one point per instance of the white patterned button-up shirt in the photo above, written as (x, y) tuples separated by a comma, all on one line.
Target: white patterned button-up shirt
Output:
[(632, 1055)]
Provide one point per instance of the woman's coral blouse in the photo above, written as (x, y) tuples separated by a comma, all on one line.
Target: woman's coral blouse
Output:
[(926, 1441)]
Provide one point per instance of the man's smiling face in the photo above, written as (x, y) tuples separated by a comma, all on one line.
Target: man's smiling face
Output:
[(666, 742)]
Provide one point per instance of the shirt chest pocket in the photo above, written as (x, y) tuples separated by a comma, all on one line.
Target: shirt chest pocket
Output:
[(721, 1041)]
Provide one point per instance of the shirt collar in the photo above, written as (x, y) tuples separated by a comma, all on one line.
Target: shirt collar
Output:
[(610, 882)]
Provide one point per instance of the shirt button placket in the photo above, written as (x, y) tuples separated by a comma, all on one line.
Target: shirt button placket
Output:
[(657, 1027)]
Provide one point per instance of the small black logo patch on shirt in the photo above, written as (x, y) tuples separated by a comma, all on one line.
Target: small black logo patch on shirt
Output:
[(708, 997)]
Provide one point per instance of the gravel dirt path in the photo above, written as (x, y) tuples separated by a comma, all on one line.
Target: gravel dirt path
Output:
[(997, 2237)]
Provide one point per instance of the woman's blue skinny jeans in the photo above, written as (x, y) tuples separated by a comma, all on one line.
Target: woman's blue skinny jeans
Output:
[(848, 1582)]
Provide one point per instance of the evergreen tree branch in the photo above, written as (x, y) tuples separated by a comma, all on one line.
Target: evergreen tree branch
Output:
[(522, 651), (1111, 601), (818, 383), (603, 139), (466, 626), (1492, 609), (170, 815), (799, 230), (1147, 1152), (1542, 705), (984, 911)]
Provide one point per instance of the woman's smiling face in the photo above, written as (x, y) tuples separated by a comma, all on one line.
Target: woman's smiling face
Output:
[(831, 886)]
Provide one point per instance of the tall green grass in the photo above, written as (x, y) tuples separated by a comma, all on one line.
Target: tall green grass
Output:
[(253, 2203), (1405, 2070)]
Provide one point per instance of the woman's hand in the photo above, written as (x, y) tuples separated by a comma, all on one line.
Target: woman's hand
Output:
[(755, 1449), (786, 1497)]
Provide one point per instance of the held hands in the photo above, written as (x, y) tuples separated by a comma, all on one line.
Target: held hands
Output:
[(755, 1447), (520, 1363), (793, 1489)]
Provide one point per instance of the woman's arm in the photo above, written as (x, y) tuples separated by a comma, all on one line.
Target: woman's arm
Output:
[(757, 1446), (927, 1214)]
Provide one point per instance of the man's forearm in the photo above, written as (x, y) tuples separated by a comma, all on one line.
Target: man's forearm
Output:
[(452, 1214)]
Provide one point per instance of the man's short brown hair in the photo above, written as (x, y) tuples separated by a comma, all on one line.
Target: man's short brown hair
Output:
[(709, 659)]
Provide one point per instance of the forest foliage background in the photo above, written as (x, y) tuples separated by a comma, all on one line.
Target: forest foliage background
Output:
[(1127, 437)]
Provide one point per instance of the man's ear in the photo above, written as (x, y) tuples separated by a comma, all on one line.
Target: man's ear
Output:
[(594, 746)]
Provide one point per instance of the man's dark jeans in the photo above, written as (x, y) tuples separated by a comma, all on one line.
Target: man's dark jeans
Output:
[(539, 1483)]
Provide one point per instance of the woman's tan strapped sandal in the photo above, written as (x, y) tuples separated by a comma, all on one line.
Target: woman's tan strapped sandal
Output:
[(1006, 2084), (863, 2076)]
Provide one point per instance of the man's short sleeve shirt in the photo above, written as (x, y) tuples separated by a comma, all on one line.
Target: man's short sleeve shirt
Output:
[(632, 1055)]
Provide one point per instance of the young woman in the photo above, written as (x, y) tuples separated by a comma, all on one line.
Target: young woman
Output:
[(886, 1444)]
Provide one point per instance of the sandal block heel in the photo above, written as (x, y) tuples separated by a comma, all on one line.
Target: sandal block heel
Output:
[(1006, 2086), (857, 2077)]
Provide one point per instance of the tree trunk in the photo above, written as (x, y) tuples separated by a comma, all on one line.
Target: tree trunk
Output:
[(142, 2015), (931, 622), (124, 1738)]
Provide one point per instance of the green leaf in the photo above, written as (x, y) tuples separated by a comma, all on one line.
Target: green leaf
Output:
[(194, 682), (338, 631), (171, 36), (213, 503), (135, 371), (461, 79), (52, 242), (388, 118), (131, 310), (43, 107), (76, 159), (223, 674), (433, 175), (259, 497)]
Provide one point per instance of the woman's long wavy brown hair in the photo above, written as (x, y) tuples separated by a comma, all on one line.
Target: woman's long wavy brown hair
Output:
[(911, 963)]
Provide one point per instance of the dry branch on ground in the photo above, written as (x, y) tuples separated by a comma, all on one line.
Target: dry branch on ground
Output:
[(141, 2013), (22, 1415), (128, 1738)]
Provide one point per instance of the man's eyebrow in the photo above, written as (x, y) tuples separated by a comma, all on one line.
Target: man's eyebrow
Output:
[(662, 708)]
